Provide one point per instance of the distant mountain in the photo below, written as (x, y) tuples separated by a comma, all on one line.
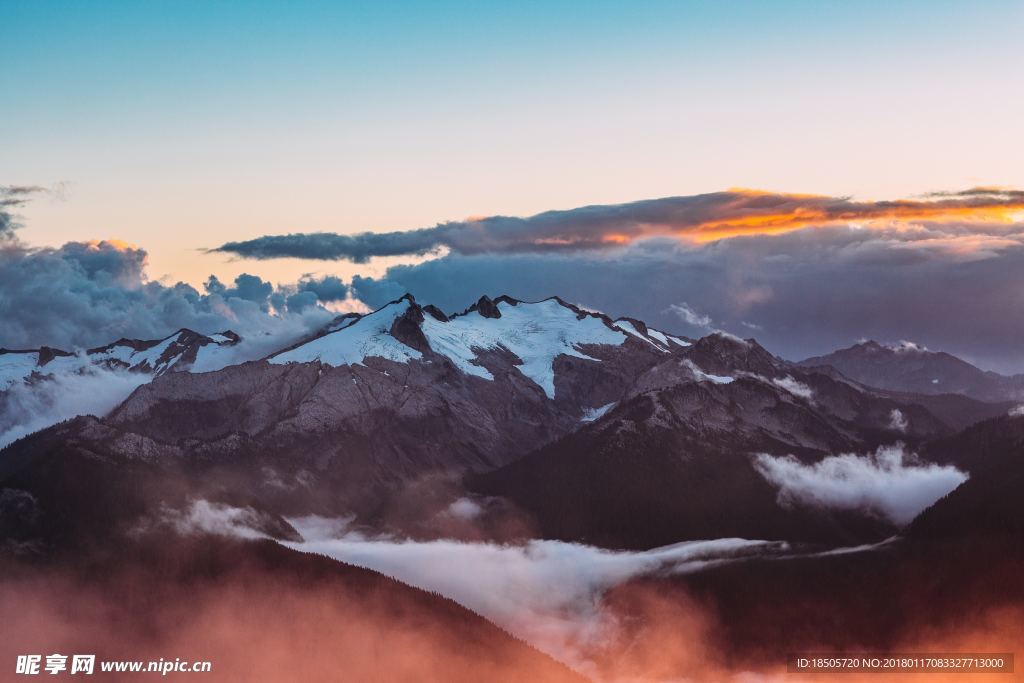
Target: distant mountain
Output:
[(180, 351), (541, 420), (673, 460), (601, 430), (911, 368), (347, 418)]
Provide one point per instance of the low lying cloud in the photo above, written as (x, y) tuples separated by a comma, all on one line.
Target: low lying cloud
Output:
[(546, 592), (888, 482), (898, 421), (794, 386), (699, 218), (88, 390), (204, 517)]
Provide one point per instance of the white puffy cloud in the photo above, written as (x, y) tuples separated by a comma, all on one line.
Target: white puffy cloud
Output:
[(887, 482)]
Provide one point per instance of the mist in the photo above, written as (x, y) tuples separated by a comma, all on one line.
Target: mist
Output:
[(87, 390), (888, 482)]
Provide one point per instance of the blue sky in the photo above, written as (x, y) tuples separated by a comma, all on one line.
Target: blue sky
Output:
[(180, 125)]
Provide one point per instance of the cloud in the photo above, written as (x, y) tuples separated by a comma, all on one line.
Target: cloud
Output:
[(328, 288), (690, 316), (86, 294), (794, 386), (887, 482), (11, 197), (546, 592), (699, 218), (805, 293), (702, 376), (87, 390), (465, 508), (204, 517), (898, 421)]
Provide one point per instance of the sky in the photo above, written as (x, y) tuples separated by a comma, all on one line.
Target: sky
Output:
[(181, 127)]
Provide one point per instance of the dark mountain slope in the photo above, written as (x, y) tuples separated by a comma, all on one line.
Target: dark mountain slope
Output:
[(258, 612), (674, 465)]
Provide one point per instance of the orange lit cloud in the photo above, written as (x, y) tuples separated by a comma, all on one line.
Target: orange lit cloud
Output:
[(696, 218)]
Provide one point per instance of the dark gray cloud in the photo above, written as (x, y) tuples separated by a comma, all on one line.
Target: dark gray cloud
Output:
[(602, 227), (86, 294), (951, 287), (247, 287), (327, 288), (11, 197)]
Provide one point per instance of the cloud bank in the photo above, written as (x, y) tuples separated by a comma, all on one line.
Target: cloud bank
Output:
[(86, 294), (700, 218), (865, 270), (887, 482), (803, 293), (546, 592)]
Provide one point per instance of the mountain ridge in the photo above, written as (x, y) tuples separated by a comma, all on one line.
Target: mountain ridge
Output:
[(913, 368)]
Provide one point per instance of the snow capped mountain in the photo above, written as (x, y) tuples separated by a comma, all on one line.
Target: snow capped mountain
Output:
[(18, 366), (352, 343), (535, 333), (183, 350)]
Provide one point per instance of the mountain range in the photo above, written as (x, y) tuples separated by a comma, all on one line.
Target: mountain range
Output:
[(181, 351), (540, 419)]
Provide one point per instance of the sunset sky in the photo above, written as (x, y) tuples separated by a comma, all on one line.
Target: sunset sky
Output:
[(181, 127)]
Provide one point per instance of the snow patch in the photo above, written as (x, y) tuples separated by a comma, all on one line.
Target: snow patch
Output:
[(369, 336), (660, 336), (536, 333), (630, 328), (16, 367), (592, 414), (702, 376)]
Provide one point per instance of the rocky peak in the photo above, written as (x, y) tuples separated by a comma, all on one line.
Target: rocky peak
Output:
[(721, 352), (407, 327), (48, 353)]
